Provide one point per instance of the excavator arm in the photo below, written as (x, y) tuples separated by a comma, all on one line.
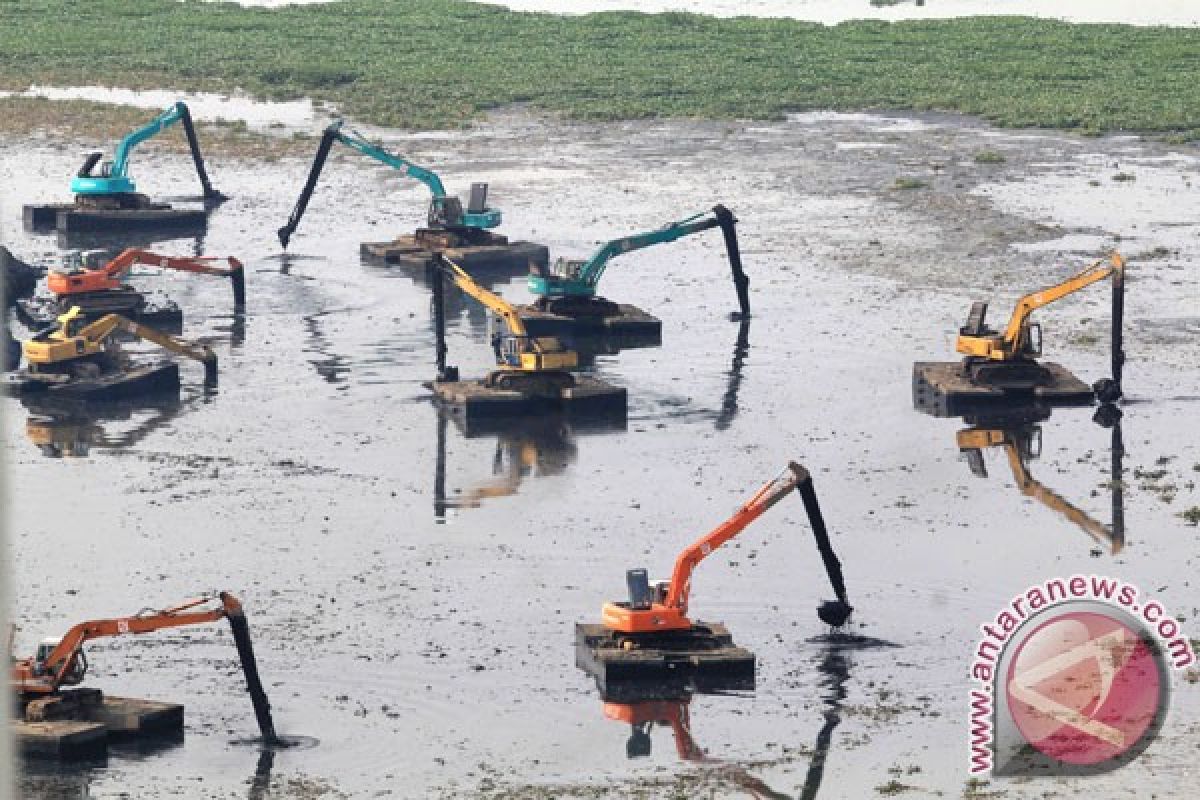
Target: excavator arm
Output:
[(48, 672), (201, 353), (110, 275), (976, 340), (444, 210), (517, 350), (71, 341), (770, 494), (114, 177), (580, 278)]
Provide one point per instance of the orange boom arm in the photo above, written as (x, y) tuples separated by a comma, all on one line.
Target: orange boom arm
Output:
[(668, 610), (58, 668), (110, 275)]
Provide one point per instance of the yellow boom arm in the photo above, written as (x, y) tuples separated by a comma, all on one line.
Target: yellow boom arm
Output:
[(72, 341), (1012, 341)]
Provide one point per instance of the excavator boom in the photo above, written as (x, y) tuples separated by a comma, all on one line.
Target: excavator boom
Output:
[(109, 276), (70, 342), (440, 208), (518, 350), (115, 178), (47, 672), (579, 279), (976, 340), (755, 507)]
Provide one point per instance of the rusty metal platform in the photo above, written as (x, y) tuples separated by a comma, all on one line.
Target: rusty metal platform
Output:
[(156, 379), (943, 389), (701, 659), (81, 723), (69, 218), (485, 252), (630, 327), (588, 397)]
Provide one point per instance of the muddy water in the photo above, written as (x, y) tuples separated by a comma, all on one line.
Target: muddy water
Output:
[(428, 648)]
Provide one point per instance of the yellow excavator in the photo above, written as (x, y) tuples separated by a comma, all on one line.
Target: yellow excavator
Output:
[(1022, 443), (529, 364), (1006, 358), (78, 351)]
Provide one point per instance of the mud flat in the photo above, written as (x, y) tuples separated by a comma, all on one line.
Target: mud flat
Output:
[(309, 478)]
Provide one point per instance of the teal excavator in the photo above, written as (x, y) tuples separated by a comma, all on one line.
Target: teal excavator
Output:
[(107, 184), (568, 286), (445, 212)]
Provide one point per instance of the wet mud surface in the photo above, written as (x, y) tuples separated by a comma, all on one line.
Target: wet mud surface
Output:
[(413, 590)]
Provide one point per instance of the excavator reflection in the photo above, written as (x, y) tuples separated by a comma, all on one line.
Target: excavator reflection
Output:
[(673, 710), (61, 430), (1020, 436), (538, 446)]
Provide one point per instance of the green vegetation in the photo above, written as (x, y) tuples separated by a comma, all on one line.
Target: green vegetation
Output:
[(434, 63), (909, 183), (989, 157), (1191, 516)]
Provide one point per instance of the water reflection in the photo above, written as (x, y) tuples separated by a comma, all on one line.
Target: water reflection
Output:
[(524, 448), (675, 713), (70, 430), (1018, 433), (260, 782), (729, 401)]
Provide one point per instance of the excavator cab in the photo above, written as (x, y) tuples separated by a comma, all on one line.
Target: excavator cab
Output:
[(79, 664), (1031, 345)]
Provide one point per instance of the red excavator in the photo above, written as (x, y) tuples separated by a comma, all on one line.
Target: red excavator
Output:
[(61, 662), (102, 290)]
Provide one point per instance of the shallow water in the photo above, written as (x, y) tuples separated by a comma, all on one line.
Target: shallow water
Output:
[(429, 647), (260, 115)]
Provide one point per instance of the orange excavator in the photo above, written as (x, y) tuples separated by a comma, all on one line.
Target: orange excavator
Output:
[(61, 662), (651, 639), (103, 290), (664, 606)]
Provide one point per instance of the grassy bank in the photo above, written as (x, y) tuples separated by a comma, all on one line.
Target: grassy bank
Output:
[(436, 63)]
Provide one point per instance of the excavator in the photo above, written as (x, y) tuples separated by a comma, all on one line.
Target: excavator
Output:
[(38, 681), (1006, 359), (103, 291), (1021, 442), (663, 606), (568, 286), (108, 185), (446, 213), (529, 364), (79, 352)]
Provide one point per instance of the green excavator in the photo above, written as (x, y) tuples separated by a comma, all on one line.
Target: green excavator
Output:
[(568, 286), (107, 184), (445, 212)]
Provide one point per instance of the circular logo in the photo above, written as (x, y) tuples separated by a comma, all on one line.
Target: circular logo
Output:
[(1085, 687)]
